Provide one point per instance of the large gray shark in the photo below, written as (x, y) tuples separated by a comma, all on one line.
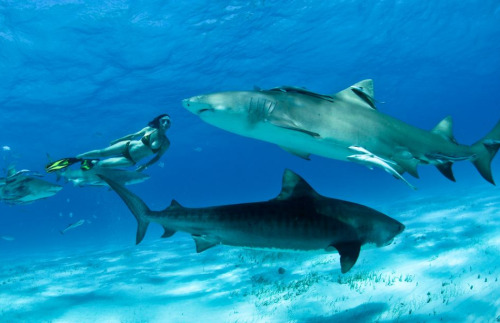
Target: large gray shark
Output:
[(298, 219), (344, 126), (25, 187)]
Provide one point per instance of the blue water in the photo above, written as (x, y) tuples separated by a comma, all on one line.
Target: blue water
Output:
[(75, 75)]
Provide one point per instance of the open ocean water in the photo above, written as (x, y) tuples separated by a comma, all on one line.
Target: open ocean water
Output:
[(75, 75)]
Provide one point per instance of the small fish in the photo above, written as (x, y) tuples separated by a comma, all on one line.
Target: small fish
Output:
[(7, 238), (6, 148), (72, 226)]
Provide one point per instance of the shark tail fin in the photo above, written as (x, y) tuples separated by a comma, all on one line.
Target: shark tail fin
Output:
[(486, 150), (138, 208)]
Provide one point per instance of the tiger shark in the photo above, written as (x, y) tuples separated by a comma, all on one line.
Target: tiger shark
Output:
[(345, 126), (298, 219)]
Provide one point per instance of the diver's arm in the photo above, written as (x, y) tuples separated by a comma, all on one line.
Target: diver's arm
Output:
[(160, 153), (130, 136)]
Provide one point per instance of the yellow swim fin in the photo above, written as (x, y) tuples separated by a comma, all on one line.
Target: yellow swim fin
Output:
[(61, 164)]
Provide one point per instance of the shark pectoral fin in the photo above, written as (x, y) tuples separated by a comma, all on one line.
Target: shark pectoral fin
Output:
[(446, 170), (349, 253), (167, 233), (202, 244), (291, 126), (301, 154)]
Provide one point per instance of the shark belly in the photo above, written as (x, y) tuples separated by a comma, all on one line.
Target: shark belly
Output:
[(299, 142)]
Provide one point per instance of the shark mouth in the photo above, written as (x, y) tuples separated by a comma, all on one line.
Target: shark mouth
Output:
[(204, 110)]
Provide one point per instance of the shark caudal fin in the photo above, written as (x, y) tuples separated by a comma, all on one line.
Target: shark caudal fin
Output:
[(138, 208), (486, 149)]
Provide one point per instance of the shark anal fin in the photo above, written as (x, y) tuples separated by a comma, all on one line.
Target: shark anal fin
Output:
[(202, 244), (349, 253), (446, 170), (291, 126), (301, 154)]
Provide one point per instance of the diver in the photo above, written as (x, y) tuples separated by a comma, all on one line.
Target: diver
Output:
[(125, 151)]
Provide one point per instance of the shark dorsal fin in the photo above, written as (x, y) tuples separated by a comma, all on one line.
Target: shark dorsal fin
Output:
[(445, 129), (294, 186), (360, 93)]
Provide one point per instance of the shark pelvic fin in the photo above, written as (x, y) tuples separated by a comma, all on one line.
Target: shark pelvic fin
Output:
[(294, 185), (202, 244), (301, 154), (445, 129), (446, 170), (349, 253), (409, 165), (167, 233)]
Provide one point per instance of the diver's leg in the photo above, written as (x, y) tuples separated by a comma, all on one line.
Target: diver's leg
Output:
[(114, 150), (115, 162)]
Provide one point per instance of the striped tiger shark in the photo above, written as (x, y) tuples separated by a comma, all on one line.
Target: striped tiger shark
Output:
[(298, 219), (345, 126)]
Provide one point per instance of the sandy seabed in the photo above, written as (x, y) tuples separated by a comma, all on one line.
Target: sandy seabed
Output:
[(443, 267)]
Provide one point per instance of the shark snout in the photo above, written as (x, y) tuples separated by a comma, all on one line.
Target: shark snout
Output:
[(196, 105), (399, 228)]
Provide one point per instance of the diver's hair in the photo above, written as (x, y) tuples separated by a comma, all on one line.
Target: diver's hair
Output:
[(155, 123)]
